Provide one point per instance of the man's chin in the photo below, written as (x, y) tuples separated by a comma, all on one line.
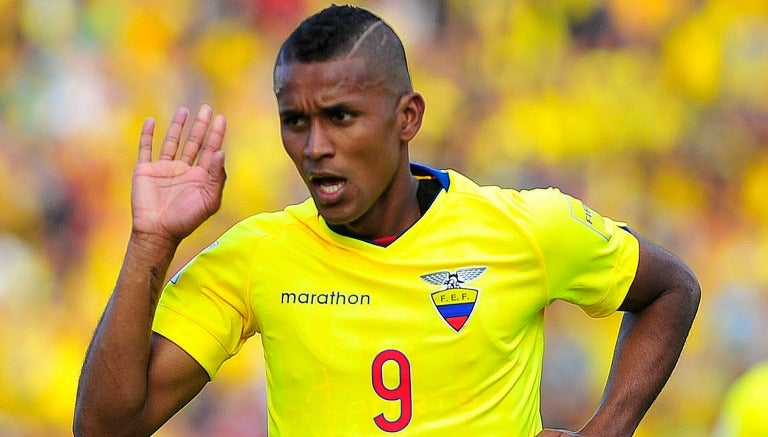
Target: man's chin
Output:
[(339, 220), (334, 215)]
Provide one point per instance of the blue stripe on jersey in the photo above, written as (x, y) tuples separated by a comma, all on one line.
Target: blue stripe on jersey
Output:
[(456, 309), (441, 176)]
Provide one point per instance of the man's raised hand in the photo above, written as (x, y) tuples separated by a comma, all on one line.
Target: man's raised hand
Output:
[(175, 194)]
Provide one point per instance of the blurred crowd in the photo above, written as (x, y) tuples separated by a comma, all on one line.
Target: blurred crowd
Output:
[(655, 112)]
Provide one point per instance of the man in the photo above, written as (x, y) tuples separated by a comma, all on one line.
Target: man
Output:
[(398, 298)]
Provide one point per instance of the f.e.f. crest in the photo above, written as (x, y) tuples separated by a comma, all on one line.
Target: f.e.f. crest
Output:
[(455, 302)]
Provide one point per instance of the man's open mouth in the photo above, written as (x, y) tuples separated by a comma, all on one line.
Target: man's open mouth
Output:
[(328, 184)]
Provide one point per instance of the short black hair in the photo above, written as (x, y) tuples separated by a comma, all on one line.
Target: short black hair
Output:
[(339, 31), (327, 34)]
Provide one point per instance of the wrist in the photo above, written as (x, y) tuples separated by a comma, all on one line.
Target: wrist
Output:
[(609, 425), (152, 245)]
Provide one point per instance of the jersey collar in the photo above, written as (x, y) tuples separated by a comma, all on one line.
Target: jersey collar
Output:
[(439, 175)]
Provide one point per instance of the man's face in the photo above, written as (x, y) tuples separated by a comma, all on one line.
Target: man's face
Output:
[(339, 127)]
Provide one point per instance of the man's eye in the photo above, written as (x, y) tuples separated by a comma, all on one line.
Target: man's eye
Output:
[(293, 120), (341, 116)]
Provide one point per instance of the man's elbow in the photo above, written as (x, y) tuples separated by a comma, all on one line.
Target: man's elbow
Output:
[(679, 304), (690, 290)]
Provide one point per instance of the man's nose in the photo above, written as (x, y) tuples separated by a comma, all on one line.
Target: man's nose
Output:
[(318, 144)]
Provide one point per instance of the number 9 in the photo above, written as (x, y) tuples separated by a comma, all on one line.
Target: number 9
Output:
[(402, 392)]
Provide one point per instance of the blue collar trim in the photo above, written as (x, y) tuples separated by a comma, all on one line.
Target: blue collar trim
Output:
[(440, 175)]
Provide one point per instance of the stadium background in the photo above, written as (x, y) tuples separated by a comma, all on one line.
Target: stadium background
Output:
[(653, 111)]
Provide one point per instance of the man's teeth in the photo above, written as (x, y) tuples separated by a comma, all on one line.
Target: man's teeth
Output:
[(330, 188)]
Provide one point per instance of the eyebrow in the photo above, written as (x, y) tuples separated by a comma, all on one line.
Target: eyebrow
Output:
[(339, 107), (289, 112), (325, 110)]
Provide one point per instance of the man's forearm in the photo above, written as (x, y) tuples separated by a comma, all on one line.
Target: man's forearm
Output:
[(647, 350), (113, 382)]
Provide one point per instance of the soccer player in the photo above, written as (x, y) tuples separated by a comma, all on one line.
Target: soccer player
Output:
[(397, 299)]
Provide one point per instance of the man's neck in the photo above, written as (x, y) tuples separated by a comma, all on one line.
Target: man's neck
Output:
[(424, 189)]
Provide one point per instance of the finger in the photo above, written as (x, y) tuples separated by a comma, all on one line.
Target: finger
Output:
[(196, 134), (173, 136), (217, 171), (145, 141), (213, 142)]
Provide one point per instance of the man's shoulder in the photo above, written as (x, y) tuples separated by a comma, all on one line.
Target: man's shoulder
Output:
[(462, 185), (534, 205), (274, 222)]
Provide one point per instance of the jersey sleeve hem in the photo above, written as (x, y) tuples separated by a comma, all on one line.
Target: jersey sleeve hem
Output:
[(187, 334), (624, 273)]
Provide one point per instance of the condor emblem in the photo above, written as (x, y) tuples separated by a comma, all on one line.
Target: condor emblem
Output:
[(455, 302)]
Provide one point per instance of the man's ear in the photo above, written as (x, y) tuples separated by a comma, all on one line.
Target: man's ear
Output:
[(410, 114)]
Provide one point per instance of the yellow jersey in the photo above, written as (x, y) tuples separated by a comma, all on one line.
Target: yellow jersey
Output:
[(438, 333)]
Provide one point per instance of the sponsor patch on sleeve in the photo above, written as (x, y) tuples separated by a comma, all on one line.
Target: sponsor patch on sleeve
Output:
[(588, 217)]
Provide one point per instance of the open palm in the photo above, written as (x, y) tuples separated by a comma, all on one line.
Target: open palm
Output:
[(174, 195)]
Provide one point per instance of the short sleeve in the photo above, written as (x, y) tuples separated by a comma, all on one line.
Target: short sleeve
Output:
[(204, 308), (589, 260)]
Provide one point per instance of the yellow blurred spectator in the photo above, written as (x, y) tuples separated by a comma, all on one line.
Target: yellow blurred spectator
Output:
[(743, 409)]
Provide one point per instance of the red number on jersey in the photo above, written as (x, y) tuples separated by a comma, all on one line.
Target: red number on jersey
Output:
[(401, 392)]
